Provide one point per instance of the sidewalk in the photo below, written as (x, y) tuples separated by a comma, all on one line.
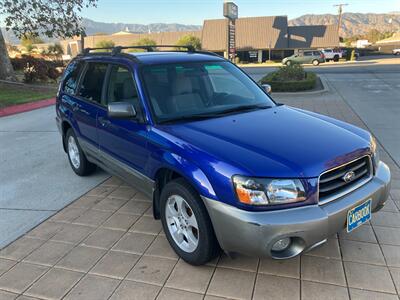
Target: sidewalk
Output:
[(106, 245)]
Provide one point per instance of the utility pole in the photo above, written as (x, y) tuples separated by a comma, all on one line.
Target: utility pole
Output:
[(340, 11)]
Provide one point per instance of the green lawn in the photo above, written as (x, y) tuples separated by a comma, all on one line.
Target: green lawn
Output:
[(11, 94)]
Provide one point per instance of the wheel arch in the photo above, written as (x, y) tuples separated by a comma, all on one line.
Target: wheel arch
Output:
[(182, 169), (65, 125)]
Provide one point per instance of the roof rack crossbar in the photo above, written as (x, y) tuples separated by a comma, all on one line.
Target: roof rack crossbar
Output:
[(149, 48)]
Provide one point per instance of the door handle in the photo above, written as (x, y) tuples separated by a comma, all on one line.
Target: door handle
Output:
[(104, 122), (75, 106)]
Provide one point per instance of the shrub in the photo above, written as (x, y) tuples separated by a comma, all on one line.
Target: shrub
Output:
[(189, 40), (105, 44), (291, 78), (146, 42), (288, 73), (143, 42), (55, 50), (35, 69)]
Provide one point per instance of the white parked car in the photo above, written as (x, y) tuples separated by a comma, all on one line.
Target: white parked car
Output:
[(396, 51), (332, 54)]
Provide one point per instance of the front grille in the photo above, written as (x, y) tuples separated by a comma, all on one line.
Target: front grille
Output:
[(332, 183)]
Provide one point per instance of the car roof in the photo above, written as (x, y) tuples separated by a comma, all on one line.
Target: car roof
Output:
[(174, 57), (161, 57)]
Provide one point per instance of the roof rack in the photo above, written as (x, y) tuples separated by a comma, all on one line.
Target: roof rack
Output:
[(149, 48)]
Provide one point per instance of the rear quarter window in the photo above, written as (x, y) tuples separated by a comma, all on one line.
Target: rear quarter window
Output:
[(71, 77)]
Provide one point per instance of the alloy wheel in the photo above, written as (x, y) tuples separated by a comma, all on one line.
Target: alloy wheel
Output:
[(73, 152), (182, 223)]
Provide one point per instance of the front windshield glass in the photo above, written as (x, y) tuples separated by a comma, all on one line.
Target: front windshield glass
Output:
[(204, 89)]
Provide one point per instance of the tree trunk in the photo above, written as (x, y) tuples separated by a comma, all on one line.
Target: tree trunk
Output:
[(6, 69)]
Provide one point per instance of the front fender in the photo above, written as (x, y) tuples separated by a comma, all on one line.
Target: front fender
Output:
[(187, 169)]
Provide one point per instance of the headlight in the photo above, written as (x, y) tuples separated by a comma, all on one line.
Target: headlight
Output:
[(265, 191), (375, 152)]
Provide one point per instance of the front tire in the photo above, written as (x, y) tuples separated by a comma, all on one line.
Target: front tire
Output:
[(77, 159), (187, 224), (315, 62), (288, 63)]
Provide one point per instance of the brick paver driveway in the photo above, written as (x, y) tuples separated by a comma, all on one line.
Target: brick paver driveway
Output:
[(106, 245)]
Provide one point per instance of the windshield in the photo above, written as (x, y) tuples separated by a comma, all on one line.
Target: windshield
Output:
[(204, 89)]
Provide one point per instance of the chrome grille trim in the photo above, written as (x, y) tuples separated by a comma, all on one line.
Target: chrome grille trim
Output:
[(352, 187)]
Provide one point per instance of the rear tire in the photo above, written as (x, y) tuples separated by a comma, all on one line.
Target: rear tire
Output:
[(336, 58), (77, 159), (315, 62), (187, 224)]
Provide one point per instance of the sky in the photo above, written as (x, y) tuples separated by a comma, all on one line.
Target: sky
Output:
[(195, 11)]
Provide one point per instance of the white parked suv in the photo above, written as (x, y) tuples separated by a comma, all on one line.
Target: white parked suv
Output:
[(396, 51), (332, 54)]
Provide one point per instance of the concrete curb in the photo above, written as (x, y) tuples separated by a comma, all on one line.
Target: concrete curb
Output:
[(20, 108), (325, 89)]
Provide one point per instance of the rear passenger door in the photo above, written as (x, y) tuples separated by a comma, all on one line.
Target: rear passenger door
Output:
[(123, 142), (308, 57), (88, 102)]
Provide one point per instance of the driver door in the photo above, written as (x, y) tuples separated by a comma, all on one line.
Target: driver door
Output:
[(123, 142)]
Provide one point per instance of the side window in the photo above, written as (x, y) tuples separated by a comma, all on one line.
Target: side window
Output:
[(308, 53), (92, 83), (71, 77), (121, 87)]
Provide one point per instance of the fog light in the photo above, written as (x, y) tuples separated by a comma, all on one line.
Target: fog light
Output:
[(281, 245)]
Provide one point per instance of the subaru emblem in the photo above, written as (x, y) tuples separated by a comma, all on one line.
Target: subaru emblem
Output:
[(349, 176)]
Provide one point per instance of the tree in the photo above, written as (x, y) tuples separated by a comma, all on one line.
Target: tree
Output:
[(189, 40), (30, 39), (55, 50), (105, 44), (51, 18), (143, 42), (374, 35), (146, 42), (6, 69)]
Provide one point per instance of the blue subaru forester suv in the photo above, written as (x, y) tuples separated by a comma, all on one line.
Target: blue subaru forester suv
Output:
[(225, 166)]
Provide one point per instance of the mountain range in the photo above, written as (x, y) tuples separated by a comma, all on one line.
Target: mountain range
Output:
[(352, 24)]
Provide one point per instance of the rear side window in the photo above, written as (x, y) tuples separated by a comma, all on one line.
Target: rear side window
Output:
[(308, 53), (92, 83), (71, 77)]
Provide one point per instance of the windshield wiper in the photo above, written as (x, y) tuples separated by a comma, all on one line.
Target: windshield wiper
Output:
[(187, 118), (242, 108), (216, 114)]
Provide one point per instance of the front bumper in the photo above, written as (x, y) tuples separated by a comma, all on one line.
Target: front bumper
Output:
[(254, 233)]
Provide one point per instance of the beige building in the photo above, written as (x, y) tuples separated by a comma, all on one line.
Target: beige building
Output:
[(257, 38)]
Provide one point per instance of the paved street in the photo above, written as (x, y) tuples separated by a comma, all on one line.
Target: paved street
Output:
[(105, 244), (36, 179)]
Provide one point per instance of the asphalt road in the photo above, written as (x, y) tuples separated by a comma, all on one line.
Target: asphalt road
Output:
[(35, 178), (386, 64)]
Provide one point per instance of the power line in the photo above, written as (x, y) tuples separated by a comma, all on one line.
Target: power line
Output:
[(340, 12)]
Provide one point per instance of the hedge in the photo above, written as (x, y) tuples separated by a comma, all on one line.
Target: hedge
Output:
[(308, 83)]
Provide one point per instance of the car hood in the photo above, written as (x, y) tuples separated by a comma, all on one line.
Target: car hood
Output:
[(277, 142)]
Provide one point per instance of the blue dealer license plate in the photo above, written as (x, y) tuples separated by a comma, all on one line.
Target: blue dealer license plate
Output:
[(358, 215)]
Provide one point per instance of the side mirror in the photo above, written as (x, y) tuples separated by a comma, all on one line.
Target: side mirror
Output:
[(267, 88), (121, 110)]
